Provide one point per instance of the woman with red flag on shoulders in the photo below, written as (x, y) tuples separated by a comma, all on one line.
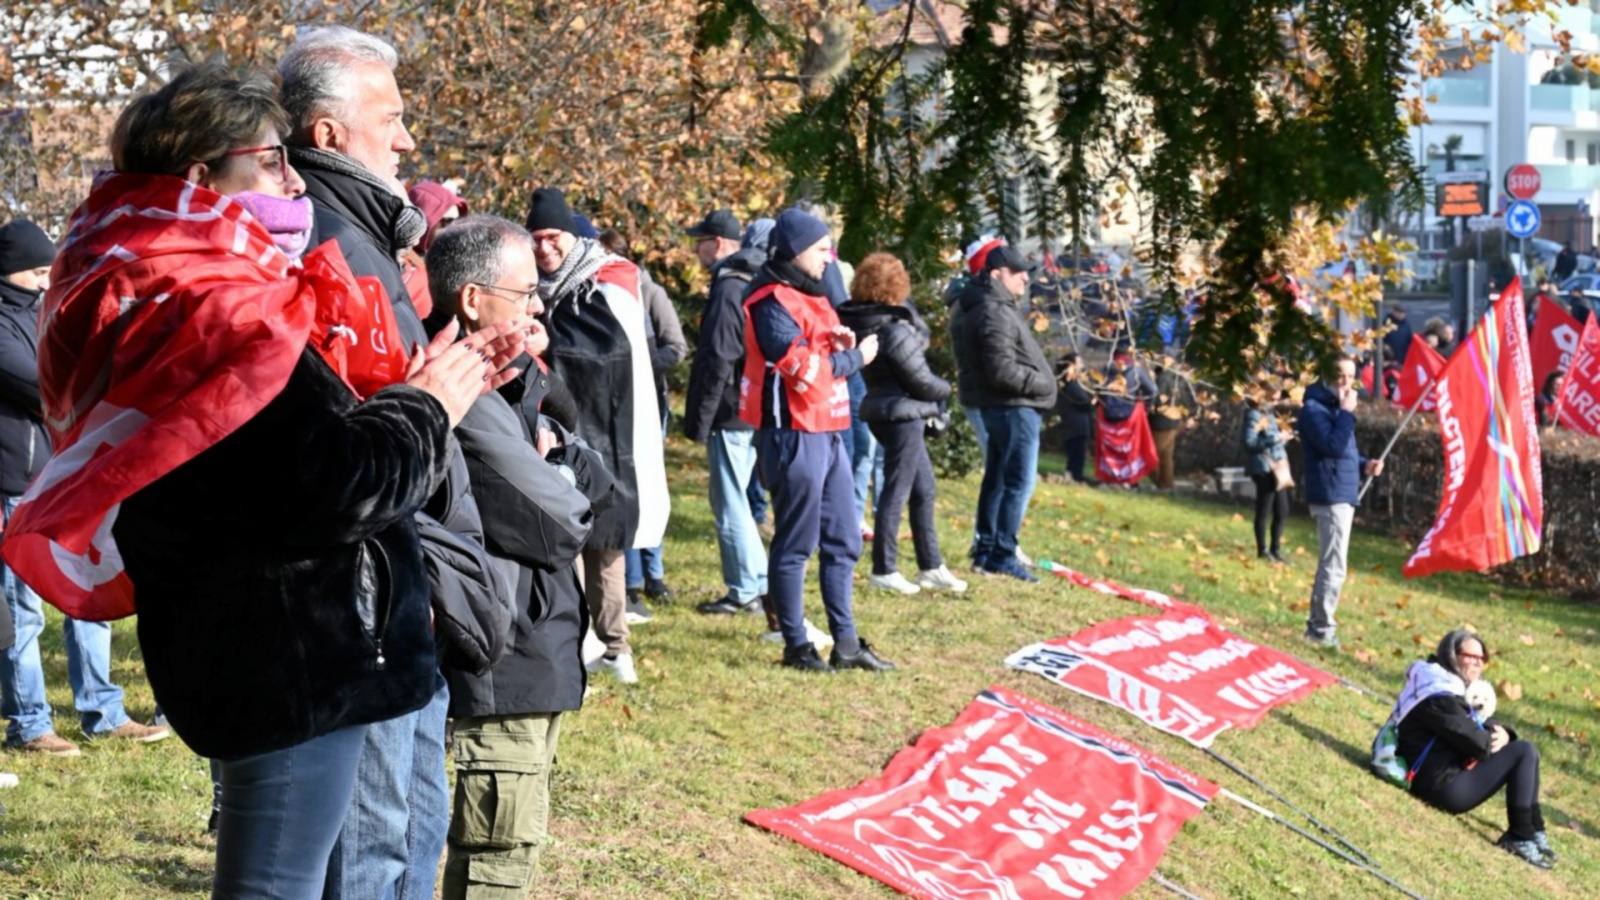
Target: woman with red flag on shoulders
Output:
[(215, 460)]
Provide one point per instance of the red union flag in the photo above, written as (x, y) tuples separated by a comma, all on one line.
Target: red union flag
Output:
[(1579, 406), (1555, 336), (1421, 367), (1491, 508), (1013, 800), (1180, 672), (1127, 449)]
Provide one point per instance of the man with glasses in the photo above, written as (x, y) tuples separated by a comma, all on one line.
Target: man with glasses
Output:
[(711, 411), (536, 483)]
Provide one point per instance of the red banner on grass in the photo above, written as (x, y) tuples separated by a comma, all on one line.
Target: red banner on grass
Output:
[(1579, 408), (1179, 672), (1417, 374), (1013, 800), (1126, 449), (1554, 338), (1113, 588), (1491, 509)]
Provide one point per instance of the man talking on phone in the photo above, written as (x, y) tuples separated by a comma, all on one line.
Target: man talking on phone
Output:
[(1333, 471)]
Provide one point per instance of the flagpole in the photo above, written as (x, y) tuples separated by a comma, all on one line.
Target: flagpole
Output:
[(1274, 817), (1415, 405), (1285, 801)]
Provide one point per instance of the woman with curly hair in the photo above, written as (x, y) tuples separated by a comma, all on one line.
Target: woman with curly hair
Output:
[(903, 394)]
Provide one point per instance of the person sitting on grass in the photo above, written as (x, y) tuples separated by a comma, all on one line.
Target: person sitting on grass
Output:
[(1459, 757)]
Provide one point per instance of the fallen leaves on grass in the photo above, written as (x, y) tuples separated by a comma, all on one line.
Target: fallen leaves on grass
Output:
[(1510, 690)]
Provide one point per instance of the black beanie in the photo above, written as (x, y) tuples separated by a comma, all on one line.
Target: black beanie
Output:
[(550, 210), (795, 232), (24, 246)]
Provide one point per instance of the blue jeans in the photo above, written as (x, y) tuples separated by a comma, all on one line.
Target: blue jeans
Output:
[(98, 700), (975, 418), (810, 479), (394, 831), (280, 814), (757, 496), (645, 562), (1009, 469), (731, 457), (866, 457)]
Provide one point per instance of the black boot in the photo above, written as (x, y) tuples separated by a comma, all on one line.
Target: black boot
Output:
[(863, 659), (805, 658)]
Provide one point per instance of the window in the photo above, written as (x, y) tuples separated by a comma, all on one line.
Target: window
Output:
[(1572, 151), (1594, 153)]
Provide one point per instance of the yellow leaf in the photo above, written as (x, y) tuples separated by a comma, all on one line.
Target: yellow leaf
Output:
[(1509, 690)]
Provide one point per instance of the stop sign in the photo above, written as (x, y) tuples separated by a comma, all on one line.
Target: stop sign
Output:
[(1522, 181)]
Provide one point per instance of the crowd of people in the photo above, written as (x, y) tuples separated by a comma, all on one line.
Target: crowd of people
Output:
[(453, 428)]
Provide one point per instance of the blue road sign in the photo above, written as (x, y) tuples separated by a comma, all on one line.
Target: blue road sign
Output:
[(1522, 219)]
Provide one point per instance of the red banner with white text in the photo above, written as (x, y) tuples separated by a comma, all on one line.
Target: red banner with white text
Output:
[(1491, 509), (1555, 336), (1417, 374), (1580, 390), (1179, 672), (1013, 800), (1126, 451)]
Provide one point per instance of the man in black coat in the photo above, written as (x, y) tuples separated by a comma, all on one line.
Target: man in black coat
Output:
[(536, 485), (25, 257), (1004, 375), (711, 411), (347, 137)]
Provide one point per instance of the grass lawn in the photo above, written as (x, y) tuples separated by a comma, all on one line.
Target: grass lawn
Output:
[(653, 779)]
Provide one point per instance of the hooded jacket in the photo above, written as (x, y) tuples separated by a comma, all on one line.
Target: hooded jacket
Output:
[(997, 362), (900, 386), (712, 402), (24, 442), (1432, 709), (536, 517), (1332, 463)]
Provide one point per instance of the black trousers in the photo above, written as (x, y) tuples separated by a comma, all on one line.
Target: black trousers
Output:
[(1516, 768), (1268, 497), (907, 473), (1077, 448)]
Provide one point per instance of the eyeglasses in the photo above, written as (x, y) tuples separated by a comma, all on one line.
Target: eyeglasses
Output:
[(1470, 657), (278, 167), (525, 298)]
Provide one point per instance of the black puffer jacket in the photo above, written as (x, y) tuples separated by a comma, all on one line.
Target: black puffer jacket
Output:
[(1457, 740), (997, 362), (279, 575), (712, 402), (536, 523), (24, 443), (900, 386)]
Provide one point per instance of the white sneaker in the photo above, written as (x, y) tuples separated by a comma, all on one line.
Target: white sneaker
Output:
[(894, 581), (940, 579), (1024, 558), (819, 638), (593, 648), (620, 668)]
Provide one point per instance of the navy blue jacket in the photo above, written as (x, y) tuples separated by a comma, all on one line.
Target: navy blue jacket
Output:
[(1332, 463), (712, 401)]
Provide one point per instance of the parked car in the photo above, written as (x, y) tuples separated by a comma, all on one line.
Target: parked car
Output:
[(1589, 284)]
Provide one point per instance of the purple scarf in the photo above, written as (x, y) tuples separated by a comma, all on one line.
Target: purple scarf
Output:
[(288, 221)]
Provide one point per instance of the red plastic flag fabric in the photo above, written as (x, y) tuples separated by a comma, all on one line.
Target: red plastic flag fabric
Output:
[(1111, 588), (172, 319), (1579, 406), (1417, 374), (1491, 509), (1127, 449), (1555, 336), (1013, 800), (1179, 672)]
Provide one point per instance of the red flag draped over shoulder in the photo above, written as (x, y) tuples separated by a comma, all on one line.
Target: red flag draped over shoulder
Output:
[(1422, 366), (1491, 509), (1126, 449), (172, 319)]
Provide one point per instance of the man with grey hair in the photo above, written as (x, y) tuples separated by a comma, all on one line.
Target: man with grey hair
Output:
[(537, 483), (347, 136)]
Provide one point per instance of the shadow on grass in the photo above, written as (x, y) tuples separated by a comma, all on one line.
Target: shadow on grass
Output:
[(1356, 756)]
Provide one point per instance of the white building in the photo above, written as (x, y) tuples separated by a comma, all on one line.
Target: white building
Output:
[(1514, 109)]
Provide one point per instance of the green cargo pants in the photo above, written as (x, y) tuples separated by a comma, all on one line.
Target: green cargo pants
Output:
[(502, 804)]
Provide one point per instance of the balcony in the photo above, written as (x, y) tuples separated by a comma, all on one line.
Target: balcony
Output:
[(1568, 177), (1458, 91), (1566, 98)]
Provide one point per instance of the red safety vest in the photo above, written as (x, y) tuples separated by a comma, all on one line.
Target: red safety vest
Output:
[(812, 398)]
